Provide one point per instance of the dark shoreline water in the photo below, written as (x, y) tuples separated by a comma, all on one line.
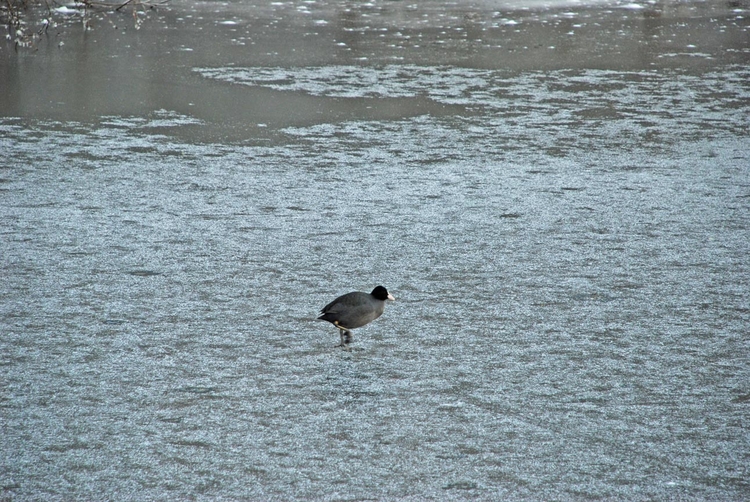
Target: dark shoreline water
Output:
[(73, 73)]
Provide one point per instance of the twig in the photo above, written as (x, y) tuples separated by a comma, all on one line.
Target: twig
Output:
[(123, 5)]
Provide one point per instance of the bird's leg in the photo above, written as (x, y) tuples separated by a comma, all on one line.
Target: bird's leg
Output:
[(342, 333), (346, 337)]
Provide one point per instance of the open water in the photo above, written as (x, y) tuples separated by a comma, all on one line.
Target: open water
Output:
[(557, 194)]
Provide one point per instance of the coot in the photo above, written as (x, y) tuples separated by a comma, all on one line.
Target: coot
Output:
[(354, 310)]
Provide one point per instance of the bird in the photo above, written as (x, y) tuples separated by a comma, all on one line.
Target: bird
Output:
[(354, 310)]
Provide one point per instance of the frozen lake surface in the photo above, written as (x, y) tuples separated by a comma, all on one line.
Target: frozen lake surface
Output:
[(558, 195)]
